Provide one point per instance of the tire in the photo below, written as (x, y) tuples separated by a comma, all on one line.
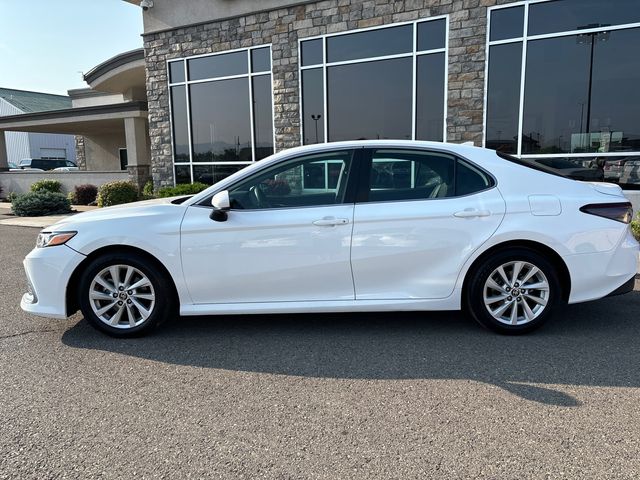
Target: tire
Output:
[(490, 296), (141, 301)]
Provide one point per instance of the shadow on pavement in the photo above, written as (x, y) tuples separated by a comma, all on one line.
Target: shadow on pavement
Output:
[(594, 344)]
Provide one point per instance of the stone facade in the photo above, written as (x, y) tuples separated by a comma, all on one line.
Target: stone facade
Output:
[(283, 27), (81, 156)]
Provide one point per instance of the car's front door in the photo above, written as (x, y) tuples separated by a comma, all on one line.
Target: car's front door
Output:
[(421, 217), (287, 236)]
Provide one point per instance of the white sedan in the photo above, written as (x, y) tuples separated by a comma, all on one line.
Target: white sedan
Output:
[(345, 227)]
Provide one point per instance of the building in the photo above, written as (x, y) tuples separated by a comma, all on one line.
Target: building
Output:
[(230, 82), (109, 119), (21, 145)]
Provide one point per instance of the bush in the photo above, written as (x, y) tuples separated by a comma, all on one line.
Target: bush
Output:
[(635, 227), (147, 191), (53, 186), (12, 196), (117, 193), (85, 194), (37, 204), (182, 189)]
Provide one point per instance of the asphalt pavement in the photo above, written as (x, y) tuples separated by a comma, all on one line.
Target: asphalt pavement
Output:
[(332, 396)]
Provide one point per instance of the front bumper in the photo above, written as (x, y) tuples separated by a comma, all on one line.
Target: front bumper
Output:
[(48, 272)]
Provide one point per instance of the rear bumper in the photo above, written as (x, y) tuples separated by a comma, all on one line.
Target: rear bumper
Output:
[(48, 272), (624, 288), (597, 275)]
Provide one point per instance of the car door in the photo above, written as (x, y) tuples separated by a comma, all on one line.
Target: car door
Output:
[(422, 215), (286, 238)]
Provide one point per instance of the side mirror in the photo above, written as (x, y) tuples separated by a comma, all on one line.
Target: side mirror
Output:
[(220, 203)]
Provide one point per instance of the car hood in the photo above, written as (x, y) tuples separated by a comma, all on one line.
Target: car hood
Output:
[(160, 206)]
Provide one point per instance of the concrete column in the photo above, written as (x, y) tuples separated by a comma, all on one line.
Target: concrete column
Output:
[(4, 162), (138, 151)]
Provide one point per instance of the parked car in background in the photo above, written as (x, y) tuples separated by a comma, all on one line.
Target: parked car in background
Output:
[(342, 227), (13, 167), (630, 176), (46, 164), (614, 167), (573, 170)]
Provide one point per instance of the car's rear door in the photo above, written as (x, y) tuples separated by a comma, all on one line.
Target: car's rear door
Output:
[(287, 236), (423, 213)]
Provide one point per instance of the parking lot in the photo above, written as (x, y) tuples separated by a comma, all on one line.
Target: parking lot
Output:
[(317, 396)]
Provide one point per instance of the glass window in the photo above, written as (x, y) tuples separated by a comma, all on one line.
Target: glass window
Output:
[(470, 179), (179, 123), (370, 100), (432, 34), (411, 175), (176, 72), (183, 174), (311, 52), (262, 116), (312, 106), (503, 97), (569, 15), (261, 60), (220, 121), (370, 43), (203, 174), (430, 97), (507, 23), (216, 66), (298, 183)]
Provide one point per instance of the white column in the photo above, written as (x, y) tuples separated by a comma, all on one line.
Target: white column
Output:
[(137, 142)]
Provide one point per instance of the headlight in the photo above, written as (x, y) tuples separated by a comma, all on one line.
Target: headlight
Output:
[(51, 239)]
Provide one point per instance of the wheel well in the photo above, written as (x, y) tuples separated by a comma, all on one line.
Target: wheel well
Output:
[(72, 286), (548, 252)]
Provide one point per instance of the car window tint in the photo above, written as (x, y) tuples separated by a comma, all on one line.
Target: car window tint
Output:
[(314, 180), (470, 179), (411, 175)]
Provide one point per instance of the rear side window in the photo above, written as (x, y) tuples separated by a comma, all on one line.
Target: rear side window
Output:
[(420, 175)]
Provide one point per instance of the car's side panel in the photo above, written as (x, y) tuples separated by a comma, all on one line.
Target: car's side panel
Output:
[(415, 249), (270, 255)]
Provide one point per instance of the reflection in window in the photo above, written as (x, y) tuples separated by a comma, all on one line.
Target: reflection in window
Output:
[(216, 66), (311, 52), (370, 43), (312, 106), (179, 122), (262, 115), (430, 96), (220, 121), (176, 72), (183, 174), (507, 23), (432, 34), (503, 97), (379, 93)]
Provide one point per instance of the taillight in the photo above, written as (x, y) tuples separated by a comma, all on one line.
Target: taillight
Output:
[(620, 212)]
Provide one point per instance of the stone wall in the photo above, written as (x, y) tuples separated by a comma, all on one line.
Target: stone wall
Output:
[(283, 27)]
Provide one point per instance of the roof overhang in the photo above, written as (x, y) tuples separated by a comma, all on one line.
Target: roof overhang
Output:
[(119, 74), (93, 120)]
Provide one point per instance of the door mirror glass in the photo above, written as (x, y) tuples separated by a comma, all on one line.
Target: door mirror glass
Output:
[(220, 201)]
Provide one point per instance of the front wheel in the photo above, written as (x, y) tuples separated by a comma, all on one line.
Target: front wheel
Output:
[(513, 292), (124, 295)]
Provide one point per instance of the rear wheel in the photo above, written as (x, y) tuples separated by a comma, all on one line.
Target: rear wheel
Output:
[(123, 295), (513, 291)]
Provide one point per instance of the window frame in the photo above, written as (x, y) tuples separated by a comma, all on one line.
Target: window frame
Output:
[(364, 184), (187, 83), (524, 39), (414, 54)]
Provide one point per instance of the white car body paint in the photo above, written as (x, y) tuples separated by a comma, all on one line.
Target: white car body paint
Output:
[(385, 256)]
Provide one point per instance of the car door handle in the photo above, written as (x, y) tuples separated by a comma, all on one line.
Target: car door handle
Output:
[(472, 213), (331, 222)]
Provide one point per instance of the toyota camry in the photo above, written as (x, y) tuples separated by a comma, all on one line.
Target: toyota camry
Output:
[(344, 227)]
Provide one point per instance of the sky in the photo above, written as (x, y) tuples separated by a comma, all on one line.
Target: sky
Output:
[(45, 44)]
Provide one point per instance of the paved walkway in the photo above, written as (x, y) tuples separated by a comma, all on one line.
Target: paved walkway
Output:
[(7, 217)]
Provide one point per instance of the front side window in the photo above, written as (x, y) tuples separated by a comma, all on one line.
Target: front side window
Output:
[(377, 83), (562, 82), (221, 113), (415, 175), (315, 180)]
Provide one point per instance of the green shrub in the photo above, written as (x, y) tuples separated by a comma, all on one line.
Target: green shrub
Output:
[(53, 186), (37, 204), (635, 227), (71, 196), (182, 189), (85, 194), (147, 191), (117, 193), (12, 196)]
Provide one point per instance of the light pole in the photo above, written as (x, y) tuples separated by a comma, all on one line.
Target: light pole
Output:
[(315, 118)]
